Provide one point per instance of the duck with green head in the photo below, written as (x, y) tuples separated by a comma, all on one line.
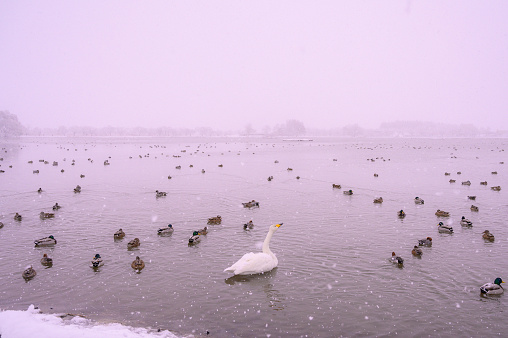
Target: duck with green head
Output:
[(492, 288)]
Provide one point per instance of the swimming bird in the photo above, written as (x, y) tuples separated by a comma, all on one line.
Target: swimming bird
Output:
[(44, 215), (474, 208), (444, 228), (492, 288), (260, 262), (97, 261), (138, 264), (442, 213), (496, 188), (378, 200), (348, 192), (251, 204), (401, 214), (77, 189), (56, 206), (249, 225), (483, 183), (203, 231), (133, 243), (29, 272), (160, 193), (119, 234), (45, 260), (418, 200), (396, 259), (425, 242), (465, 222), (215, 220), (336, 186), (194, 239), (50, 240), (17, 217), (1, 225), (488, 235), (166, 231), (417, 251), (466, 182)]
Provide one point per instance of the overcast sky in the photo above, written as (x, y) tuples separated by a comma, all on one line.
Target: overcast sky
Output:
[(224, 64)]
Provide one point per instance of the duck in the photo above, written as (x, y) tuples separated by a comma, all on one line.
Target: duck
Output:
[(376, 175), (29, 273), (425, 242), (336, 186), (466, 182), (444, 228), (459, 172), (378, 200), (487, 235), (77, 189), (452, 181), (138, 264), (447, 174), (119, 234), (18, 217), (474, 208), (290, 169), (270, 178), (249, 225), (194, 239), (133, 243), (39, 190), (465, 222), (56, 206), (442, 213), (496, 188), (251, 204), (417, 251), (203, 231), (220, 165), (50, 240), (483, 183), (44, 215), (418, 200), (166, 231), (396, 259), (1, 225), (473, 198), (202, 171), (260, 262), (82, 176), (160, 193), (348, 192), (401, 214), (494, 173), (492, 288), (215, 220), (45, 260), (97, 261)]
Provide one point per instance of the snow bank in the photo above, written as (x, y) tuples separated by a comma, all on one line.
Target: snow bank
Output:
[(33, 323)]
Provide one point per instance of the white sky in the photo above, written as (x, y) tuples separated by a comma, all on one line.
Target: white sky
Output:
[(224, 64)]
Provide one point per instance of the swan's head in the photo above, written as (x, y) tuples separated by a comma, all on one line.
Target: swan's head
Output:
[(274, 227)]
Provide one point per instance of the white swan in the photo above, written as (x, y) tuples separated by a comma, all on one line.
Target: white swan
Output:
[(260, 262)]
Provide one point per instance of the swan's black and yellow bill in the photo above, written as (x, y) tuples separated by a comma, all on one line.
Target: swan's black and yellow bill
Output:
[(278, 225)]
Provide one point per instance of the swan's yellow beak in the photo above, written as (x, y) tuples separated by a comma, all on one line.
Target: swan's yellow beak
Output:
[(278, 225)]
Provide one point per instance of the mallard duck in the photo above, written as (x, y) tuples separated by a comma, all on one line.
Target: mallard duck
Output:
[(45, 260), (494, 173), (39, 190), (251, 204), (160, 193), (348, 192), (425, 242), (452, 181), (465, 222), (138, 264), (442, 213), (492, 288), (376, 175), (178, 167), (50, 240), (378, 200), (444, 228), (474, 208), (447, 174), (396, 259), (29, 272), (56, 206), (466, 182), (483, 183), (36, 171), (249, 225), (487, 235), (276, 161), (166, 231), (203, 231), (82, 176), (133, 243), (418, 200), (417, 251), (17, 217), (401, 213), (119, 234), (194, 239), (44, 215), (496, 188), (473, 198), (106, 162), (459, 173), (1, 225), (97, 261), (202, 171), (270, 178), (215, 220), (336, 186), (290, 169), (77, 189)]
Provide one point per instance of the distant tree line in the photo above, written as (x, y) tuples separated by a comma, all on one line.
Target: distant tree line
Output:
[(9, 125)]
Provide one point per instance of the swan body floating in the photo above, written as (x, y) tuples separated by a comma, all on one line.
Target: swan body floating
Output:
[(465, 222), (119, 234), (488, 235), (260, 262), (492, 288), (418, 200), (45, 260), (166, 231), (138, 264), (396, 259), (442, 213), (133, 244), (97, 261), (50, 240), (417, 251), (444, 228), (425, 242), (29, 273)]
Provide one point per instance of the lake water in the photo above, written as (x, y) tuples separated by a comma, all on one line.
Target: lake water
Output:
[(334, 276)]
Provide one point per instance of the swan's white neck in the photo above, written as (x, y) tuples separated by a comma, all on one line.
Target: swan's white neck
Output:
[(266, 243)]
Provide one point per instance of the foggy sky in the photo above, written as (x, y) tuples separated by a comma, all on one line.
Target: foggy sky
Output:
[(224, 64)]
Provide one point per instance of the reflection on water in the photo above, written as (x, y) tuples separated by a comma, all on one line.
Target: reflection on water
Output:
[(334, 275)]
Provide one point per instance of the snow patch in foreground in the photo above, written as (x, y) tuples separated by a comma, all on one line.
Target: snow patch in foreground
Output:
[(33, 323)]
